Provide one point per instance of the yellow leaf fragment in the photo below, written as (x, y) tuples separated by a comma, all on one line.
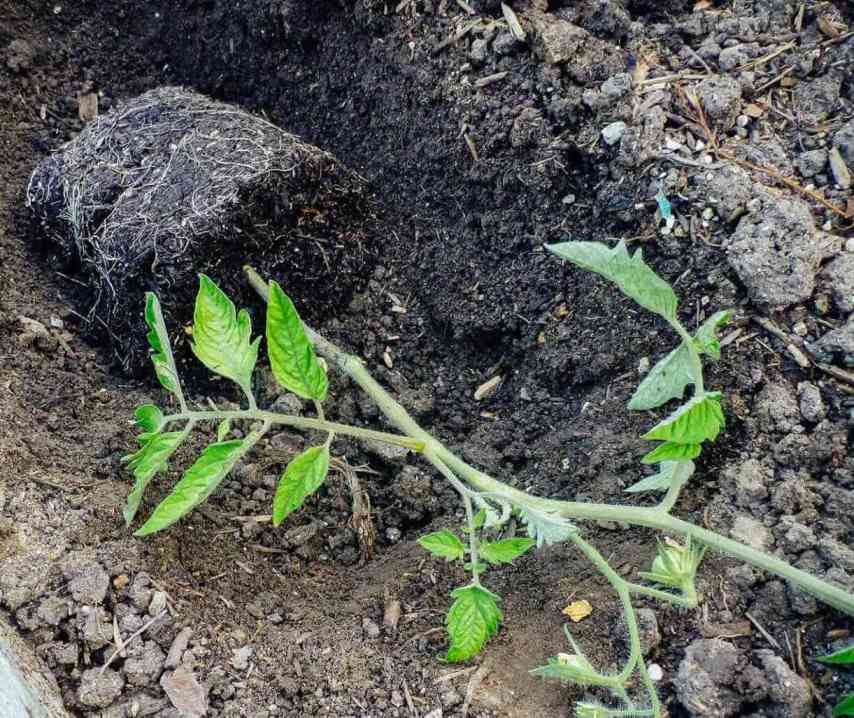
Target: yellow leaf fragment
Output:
[(578, 610)]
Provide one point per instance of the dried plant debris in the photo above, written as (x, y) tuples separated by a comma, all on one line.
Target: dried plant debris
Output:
[(172, 183)]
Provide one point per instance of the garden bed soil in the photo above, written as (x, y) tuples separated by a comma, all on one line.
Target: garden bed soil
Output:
[(472, 171)]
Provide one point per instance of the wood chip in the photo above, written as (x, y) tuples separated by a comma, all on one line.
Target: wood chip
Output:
[(841, 173), (489, 79), (87, 106), (513, 23), (488, 388), (735, 629)]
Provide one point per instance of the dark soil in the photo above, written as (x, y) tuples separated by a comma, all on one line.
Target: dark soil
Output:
[(461, 291)]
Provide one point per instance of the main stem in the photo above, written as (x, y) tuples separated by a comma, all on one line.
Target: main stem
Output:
[(650, 517)]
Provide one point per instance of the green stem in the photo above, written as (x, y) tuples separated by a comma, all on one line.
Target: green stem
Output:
[(300, 422), (696, 361), (649, 517), (673, 598), (621, 587)]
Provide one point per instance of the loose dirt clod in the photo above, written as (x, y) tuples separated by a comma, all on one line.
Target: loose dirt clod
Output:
[(172, 183)]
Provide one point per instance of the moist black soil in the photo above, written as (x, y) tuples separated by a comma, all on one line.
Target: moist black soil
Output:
[(470, 179)]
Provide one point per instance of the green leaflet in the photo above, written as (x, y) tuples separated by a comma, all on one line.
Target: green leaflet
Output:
[(672, 452), (666, 380), (221, 335), (699, 419), (842, 657), (292, 357), (545, 527), (707, 335), (506, 550), (223, 429), (149, 418), (473, 619), (629, 272), (158, 339), (302, 477), (152, 456), (845, 707), (670, 473), (675, 565), (445, 544), (573, 668), (669, 377), (200, 481)]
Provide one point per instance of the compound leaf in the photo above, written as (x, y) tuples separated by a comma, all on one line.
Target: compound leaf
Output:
[(151, 457), (292, 356), (707, 335), (670, 451), (546, 527), (199, 482), (666, 380), (842, 657), (445, 544), (629, 272), (222, 335), (670, 473), (302, 477), (473, 619), (845, 707), (699, 419), (506, 550), (161, 351), (149, 418)]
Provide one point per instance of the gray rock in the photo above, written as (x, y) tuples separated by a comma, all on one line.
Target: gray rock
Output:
[(140, 591), (300, 535), (789, 693), (817, 99), (179, 645), (88, 582), (144, 668), (751, 479), (839, 275), (587, 58), (613, 133), (837, 343), (370, 628), (706, 674), (99, 689), (479, 51), (142, 705), (95, 626), (22, 578), (798, 537), (157, 604), (388, 453), (617, 86), (776, 253), (776, 407), (811, 162), (720, 96), (748, 530), (811, 403), (287, 404), (185, 692), (843, 140), (505, 44), (240, 657), (650, 635), (732, 57), (729, 188), (53, 610)]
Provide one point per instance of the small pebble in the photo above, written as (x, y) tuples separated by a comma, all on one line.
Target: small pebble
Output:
[(656, 672)]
